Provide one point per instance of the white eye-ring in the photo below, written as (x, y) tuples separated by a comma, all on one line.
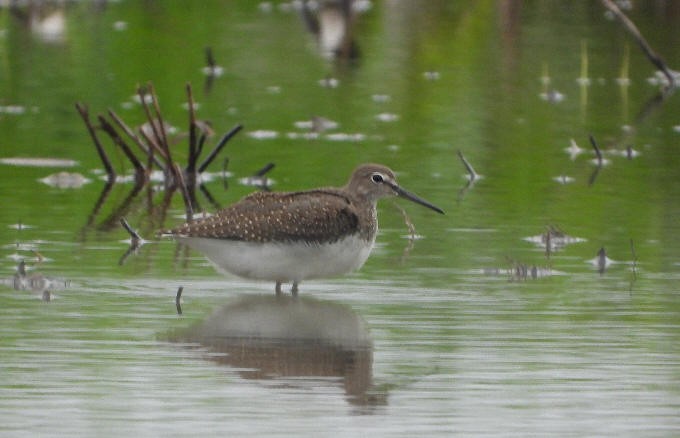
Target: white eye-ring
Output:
[(377, 178)]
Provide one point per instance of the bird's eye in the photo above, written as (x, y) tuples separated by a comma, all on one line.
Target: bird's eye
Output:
[(377, 178)]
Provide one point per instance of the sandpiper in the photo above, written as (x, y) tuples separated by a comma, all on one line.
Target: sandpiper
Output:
[(288, 237)]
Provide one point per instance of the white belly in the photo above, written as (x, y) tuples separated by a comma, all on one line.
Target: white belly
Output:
[(284, 262)]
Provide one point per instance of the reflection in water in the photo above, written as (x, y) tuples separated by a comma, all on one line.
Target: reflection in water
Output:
[(46, 20), (268, 337), (332, 23), (35, 282)]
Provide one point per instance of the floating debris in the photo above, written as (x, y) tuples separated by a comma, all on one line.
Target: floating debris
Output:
[(573, 150), (387, 117), (521, 271), (142, 97), (329, 82), (553, 239), (564, 179), (12, 109), (342, 136), (552, 96), (263, 134), (261, 182), (316, 124), (120, 26), (381, 98), (303, 135), (35, 283), (185, 106), (20, 226), (628, 153), (65, 180), (38, 162), (431, 75)]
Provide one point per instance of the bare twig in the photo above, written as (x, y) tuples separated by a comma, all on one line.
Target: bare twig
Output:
[(472, 175), (156, 148), (204, 165), (598, 152), (136, 241), (82, 109), (191, 161), (130, 133), (262, 172), (135, 237), (161, 125), (109, 129), (178, 300), (209, 58), (646, 48), (188, 204), (158, 140)]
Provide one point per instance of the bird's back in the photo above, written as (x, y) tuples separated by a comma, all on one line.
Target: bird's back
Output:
[(313, 216)]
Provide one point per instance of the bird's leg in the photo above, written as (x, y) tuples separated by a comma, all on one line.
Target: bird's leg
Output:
[(294, 289), (278, 288)]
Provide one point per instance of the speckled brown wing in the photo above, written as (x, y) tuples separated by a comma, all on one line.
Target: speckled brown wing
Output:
[(320, 216)]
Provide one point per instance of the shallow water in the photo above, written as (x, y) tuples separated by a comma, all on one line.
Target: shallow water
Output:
[(498, 318)]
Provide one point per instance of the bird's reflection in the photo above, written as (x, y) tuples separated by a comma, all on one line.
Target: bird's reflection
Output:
[(268, 337), (332, 23)]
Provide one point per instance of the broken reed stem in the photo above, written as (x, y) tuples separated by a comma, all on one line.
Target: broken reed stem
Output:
[(598, 152), (82, 109), (262, 172), (201, 143), (646, 48), (163, 139), (178, 300), (191, 161), (149, 117), (155, 147), (185, 192), (161, 125), (110, 130), (471, 172), (134, 236), (130, 133), (209, 58), (211, 156)]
